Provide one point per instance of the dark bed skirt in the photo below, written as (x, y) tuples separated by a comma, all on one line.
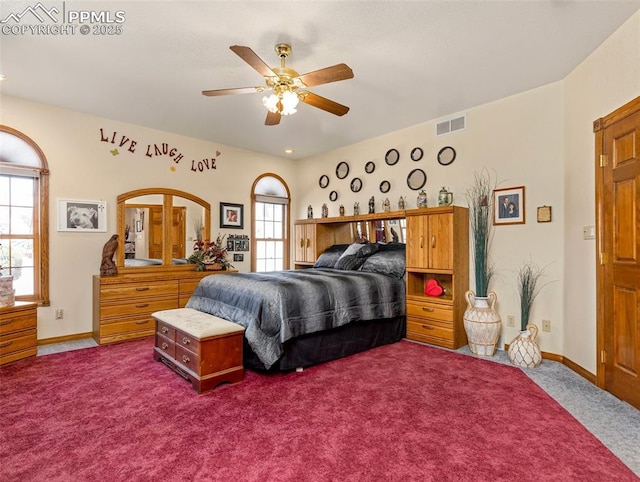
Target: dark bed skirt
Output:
[(329, 345)]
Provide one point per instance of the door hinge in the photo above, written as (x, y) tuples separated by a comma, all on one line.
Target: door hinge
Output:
[(603, 259), (603, 160), (603, 356)]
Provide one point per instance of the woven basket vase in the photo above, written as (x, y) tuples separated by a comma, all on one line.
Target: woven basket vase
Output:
[(482, 323), (524, 350)]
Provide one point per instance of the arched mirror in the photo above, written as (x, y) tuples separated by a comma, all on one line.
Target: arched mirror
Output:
[(158, 228)]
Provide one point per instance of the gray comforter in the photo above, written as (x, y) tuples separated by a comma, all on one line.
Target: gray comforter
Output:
[(277, 306)]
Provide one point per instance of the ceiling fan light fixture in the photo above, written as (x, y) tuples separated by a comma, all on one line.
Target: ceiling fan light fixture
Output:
[(284, 103)]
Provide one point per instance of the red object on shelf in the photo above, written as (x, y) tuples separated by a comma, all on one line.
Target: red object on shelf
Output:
[(433, 288)]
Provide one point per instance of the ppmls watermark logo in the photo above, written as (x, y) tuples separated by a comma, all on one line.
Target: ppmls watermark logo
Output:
[(58, 20)]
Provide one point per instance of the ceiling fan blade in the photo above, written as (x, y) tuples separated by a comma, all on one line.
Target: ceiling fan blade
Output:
[(242, 90), (326, 75), (273, 119), (324, 104), (250, 57)]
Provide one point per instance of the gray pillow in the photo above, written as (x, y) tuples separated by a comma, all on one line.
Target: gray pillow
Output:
[(355, 255), (329, 256), (389, 260)]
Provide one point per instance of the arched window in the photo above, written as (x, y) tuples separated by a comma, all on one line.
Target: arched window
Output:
[(270, 223), (24, 215)]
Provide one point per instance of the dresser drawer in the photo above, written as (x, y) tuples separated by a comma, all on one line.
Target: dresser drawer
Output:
[(187, 358), (187, 341), (144, 324), (17, 322), (118, 310), (24, 340), (188, 285), (167, 331), (167, 345), (428, 328), (138, 290), (429, 310)]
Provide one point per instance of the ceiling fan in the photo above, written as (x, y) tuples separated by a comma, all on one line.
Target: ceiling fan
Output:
[(287, 85)]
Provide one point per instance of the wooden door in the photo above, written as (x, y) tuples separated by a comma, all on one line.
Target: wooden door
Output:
[(178, 232), (304, 236), (618, 287), (439, 241), (417, 253), (155, 232)]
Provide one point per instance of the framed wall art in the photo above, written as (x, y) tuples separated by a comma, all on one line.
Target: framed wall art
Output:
[(87, 216), (508, 205), (231, 215)]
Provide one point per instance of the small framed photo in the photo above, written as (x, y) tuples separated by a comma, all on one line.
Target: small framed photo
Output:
[(544, 214), (231, 215), (238, 257), (508, 205), (88, 216)]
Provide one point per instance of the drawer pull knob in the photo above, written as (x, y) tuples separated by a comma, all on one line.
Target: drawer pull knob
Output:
[(142, 322), (4, 345), (428, 310), (427, 327), (433, 241), (186, 341), (142, 305), (165, 346), (144, 288), (165, 329), (186, 359)]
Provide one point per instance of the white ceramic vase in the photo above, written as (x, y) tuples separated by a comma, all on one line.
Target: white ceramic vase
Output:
[(524, 350), (482, 323)]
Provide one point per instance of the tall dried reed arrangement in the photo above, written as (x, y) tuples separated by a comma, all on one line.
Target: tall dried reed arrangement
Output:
[(480, 200), (529, 275)]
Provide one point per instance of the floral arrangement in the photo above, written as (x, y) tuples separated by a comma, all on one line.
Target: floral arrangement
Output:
[(210, 253)]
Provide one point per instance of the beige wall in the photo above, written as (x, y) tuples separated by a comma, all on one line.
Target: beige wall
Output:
[(82, 167), (520, 141), (606, 80)]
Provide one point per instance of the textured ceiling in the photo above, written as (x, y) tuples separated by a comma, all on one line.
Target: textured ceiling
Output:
[(413, 61)]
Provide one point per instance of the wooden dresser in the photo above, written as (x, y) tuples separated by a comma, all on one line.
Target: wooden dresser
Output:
[(122, 304), (18, 331), (437, 248)]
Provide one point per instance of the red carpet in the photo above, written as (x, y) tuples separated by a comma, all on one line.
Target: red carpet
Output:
[(399, 412)]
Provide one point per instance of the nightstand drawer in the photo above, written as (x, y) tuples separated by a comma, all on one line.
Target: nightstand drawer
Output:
[(17, 322), (429, 310), (25, 340), (421, 328)]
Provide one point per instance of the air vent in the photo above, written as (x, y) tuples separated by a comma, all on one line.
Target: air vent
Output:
[(451, 125)]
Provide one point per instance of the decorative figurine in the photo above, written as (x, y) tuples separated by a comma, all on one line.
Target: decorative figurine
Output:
[(422, 199), (356, 208), (394, 236), (402, 203), (386, 205), (309, 212), (372, 205), (445, 198), (107, 266), (341, 210), (325, 210)]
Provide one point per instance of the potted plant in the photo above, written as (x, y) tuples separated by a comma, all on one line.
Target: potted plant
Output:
[(524, 350), (208, 255), (481, 321)]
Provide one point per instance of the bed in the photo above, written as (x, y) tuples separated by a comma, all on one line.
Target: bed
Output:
[(353, 299)]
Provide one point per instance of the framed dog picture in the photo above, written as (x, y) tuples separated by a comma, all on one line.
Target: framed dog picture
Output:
[(231, 215), (88, 216)]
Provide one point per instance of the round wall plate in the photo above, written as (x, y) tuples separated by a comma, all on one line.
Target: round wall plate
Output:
[(369, 167), (446, 155), (323, 181), (416, 154), (385, 186), (356, 184), (392, 157), (342, 170), (416, 179)]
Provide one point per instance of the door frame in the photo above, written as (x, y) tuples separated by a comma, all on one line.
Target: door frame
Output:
[(599, 125)]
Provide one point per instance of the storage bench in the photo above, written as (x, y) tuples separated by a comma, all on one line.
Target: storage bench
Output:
[(201, 348)]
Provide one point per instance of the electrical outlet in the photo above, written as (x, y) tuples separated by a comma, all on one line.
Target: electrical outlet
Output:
[(59, 314), (546, 325), (511, 320)]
